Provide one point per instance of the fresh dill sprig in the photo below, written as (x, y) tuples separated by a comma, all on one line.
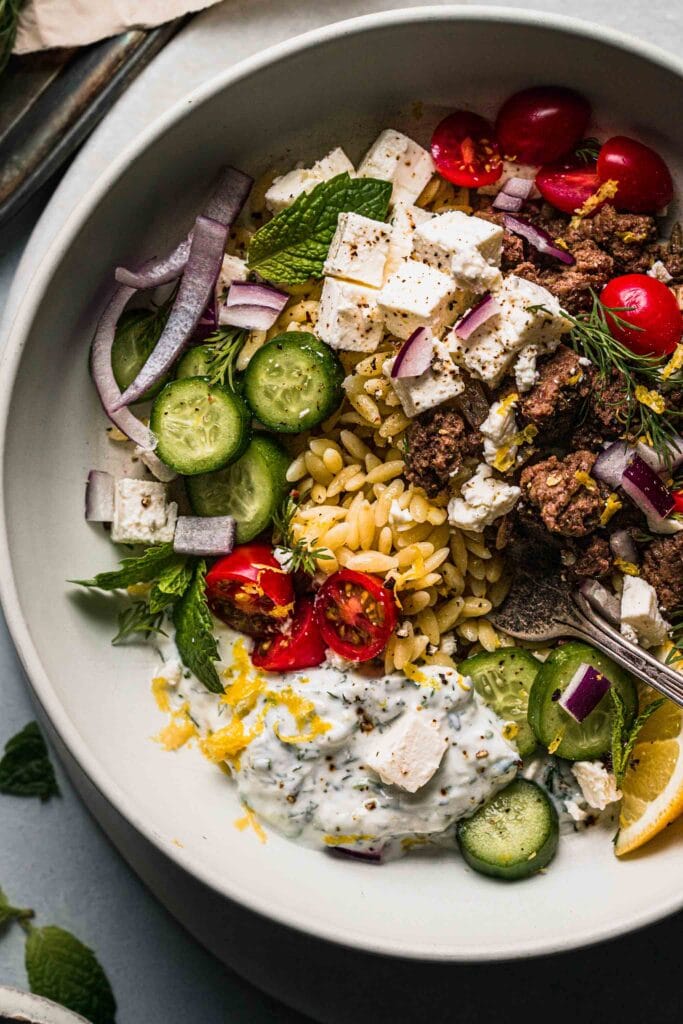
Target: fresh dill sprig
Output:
[(301, 554), (9, 19), (137, 618), (623, 738), (676, 636), (588, 150), (222, 366)]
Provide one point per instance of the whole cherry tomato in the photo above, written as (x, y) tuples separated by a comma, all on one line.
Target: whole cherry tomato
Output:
[(356, 614), (250, 591), (298, 645), (646, 317), (645, 183), (568, 184), (465, 151), (542, 124)]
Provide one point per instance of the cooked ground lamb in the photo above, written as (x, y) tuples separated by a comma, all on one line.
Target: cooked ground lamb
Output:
[(568, 502), (663, 569), (553, 404), (572, 285), (595, 560), (627, 237), (605, 415), (438, 444)]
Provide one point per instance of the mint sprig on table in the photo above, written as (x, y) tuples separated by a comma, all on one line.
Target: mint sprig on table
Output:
[(26, 769), (623, 738), (144, 568), (292, 247), (9, 19), (194, 632)]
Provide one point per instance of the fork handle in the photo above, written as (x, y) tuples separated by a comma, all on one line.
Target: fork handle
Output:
[(587, 624)]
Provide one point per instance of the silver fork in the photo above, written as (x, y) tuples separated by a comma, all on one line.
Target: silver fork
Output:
[(547, 608)]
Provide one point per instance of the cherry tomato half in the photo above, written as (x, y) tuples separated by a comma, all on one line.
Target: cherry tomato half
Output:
[(540, 125), (678, 503), (356, 614), (298, 645), (465, 151), (567, 185), (650, 307), (250, 591), (645, 183)]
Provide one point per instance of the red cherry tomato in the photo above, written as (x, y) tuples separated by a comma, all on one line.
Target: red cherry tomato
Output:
[(567, 185), (356, 614), (250, 591), (678, 502), (540, 125), (645, 183), (465, 151), (298, 645), (649, 307)]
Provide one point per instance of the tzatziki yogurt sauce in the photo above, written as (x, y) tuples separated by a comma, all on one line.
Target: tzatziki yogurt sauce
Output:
[(336, 757)]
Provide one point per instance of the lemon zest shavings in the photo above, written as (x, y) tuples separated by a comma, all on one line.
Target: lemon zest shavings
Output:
[(251, 821), (607, 190), (652, 399), (552, 747), (612, 505), (302, 710), (586, 480), (675, 363), (510, 730), (355, 837), (160, 693), (628, 568), (416, 675), (179, 730)]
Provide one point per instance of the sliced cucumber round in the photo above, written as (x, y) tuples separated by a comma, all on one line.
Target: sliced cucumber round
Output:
[(293, 383), (557, 730), (514, 835), (195, 362), (503, 679), (250, 490), (137, 332), (199, 426)]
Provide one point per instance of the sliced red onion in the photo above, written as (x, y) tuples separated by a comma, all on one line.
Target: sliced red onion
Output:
[(657, 461), (252, 305), (611, 463), (208, 322), (103, 376), (519, 188), (539, 238), (624, 547), (196, 288), (507, 203), (476, 316), (156, 467), (648, 492), (224, 206), (370, 857), (415, 355), (99, 497), (584, 692), (602, 600), (205, 537)]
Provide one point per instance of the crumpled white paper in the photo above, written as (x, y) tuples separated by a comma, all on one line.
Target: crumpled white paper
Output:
[(45, 24)]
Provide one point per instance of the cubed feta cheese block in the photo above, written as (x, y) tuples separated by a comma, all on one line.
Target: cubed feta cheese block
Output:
[(232, 269), (484, 499), (290, 186), (512, 170), (359, 250), (409, 751), (489, 351), (141, 513), (416, 295), (598, 786), (349, 317), (406, 218), (640, 612), (467, 247), (396, 158), (440, 382)]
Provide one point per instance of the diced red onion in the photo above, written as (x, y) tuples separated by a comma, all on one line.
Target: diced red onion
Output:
[(519, 188), (252, 305), (602, 600), (415, 355), (584, 692), (208, 322), (205, 537), (648, 492), (156, 467), (611, 463), (196, 288), (224, 206), (103, 376), (539, 238), (624, 547), (99, 497), (507, 203), (370, 857), (476, 316)]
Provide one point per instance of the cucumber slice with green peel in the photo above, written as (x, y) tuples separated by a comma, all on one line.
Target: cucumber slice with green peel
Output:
[(293, 382), (250, 490), (557, 730), (503, 679), (199, 426), (514, 835), (195, 362), (137, 333)]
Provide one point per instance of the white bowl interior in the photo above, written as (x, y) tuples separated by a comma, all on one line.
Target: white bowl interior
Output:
[(340, 91)]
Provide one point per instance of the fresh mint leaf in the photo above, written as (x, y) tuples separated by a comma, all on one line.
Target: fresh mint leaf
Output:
[(623, 738), (172, 583), (26, 769), (60, 967), (9, 913), (194, 632), (144, 568), (137, 618), (292, 247)]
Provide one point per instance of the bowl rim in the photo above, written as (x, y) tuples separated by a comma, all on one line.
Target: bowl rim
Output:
[(17, 332), (30, 1008)]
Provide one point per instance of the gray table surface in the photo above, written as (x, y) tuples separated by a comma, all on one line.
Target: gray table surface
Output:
[(54, 857)]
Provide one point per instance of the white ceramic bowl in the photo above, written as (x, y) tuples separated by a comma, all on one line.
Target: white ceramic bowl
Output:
[(335, 86), (26, 1008)]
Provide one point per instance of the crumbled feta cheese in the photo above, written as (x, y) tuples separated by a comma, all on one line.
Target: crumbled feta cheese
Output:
[(416, 295), (399, 516), (512, 170), (440, 382), (489, 351), (640, 612), (349, 317), (498, 430), (232, 269), (290, 186), (526, 374), (405, 220), (335, 660), (467, 247), (359, 250), (409, 751), (484, 499), (141, 513), (283, 556), (396, 158), (659, 272), (448, 644), (599, 787)]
